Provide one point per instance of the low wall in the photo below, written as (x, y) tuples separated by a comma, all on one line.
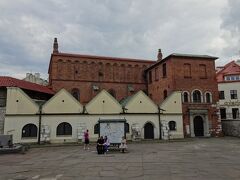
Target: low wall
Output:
[(231, 127)]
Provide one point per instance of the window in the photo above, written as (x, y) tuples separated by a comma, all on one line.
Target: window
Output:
[(172, 125), (165, 94), (187, 70), (233, 94), (235, 113), (64, 129), (75, 93), (29, 130), (223, 113), (232, 78), (156, 74), (221, 95), (164, 70), (185, 97), (96, 128), (202, 71), (196, 96), (150, 77), (126, 127), (208, 97)]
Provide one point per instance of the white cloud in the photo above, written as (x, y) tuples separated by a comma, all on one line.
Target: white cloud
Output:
[(126, 28)]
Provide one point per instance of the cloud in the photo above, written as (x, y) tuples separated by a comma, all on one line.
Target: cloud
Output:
[(231, 27), (126, 28)]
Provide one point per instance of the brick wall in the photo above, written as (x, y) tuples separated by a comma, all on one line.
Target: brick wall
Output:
[(82, 72)]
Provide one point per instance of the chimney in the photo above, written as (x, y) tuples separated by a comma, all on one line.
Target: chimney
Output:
[(55, 46), (159, 56)]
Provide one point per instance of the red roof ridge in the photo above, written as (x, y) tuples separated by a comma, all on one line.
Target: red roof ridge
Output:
[(103, 57), (6, 81)]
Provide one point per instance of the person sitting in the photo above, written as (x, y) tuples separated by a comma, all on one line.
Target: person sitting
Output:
[(10, 144), (123, 145), (106, 144), (100, 145)]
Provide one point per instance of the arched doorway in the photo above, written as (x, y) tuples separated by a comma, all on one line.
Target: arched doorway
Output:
[(198, 126), (148, 131)]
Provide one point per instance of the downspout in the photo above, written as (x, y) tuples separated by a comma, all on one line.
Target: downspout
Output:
[(39, 124), (160, 124)]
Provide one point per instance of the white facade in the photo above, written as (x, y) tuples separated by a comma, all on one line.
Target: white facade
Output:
[(230, 101), (35, 78), (21, 112)]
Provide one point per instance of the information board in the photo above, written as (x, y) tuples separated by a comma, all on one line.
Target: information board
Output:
[(113, 130)]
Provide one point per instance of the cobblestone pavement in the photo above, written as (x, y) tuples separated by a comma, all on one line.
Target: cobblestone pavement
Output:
[(206, 158)]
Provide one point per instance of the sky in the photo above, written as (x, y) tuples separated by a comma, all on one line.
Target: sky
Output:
[(118, 28)]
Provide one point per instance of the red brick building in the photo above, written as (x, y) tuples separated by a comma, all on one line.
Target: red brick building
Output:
[(84, 76), (195, 76)]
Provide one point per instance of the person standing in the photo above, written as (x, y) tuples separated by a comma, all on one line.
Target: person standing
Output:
[(86, 139)]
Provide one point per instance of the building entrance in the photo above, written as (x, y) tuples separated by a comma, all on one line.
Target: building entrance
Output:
[(198, 126), (148, 131)]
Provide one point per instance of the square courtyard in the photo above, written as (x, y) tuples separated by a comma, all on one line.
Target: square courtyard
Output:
[(198, 158)]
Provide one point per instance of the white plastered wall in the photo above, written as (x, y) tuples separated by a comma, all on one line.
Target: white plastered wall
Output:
[(103, 103), (140, 102), (14, 124), (62, 102), (19, 103)]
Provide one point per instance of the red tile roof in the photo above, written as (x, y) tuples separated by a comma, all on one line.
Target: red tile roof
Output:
[(13, 82)]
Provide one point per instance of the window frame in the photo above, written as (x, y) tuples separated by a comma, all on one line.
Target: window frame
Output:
[(172, 125), (197, 100), (31, 133), (221, 95), (64, 130), (164, 70), (233, 94)]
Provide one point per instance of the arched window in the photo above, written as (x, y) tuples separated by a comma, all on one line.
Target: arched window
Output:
[(165, 94), (75, 93), (185, 97), (96, 128), (29, 130), (64, 129), (208, 97), (112, 92), (126, 127), (172, 125), (196, 96)]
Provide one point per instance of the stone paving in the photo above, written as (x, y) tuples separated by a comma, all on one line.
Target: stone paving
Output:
[(205, 158)]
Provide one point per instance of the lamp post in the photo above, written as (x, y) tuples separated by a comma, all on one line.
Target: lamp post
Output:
[(159, 121)]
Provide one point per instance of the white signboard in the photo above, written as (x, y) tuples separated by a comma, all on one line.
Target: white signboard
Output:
[(113, 130)]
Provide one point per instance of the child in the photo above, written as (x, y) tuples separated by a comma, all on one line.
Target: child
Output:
[(123, 145)]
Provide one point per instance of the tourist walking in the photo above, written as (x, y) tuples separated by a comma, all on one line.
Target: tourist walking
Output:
[(86, 139)]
